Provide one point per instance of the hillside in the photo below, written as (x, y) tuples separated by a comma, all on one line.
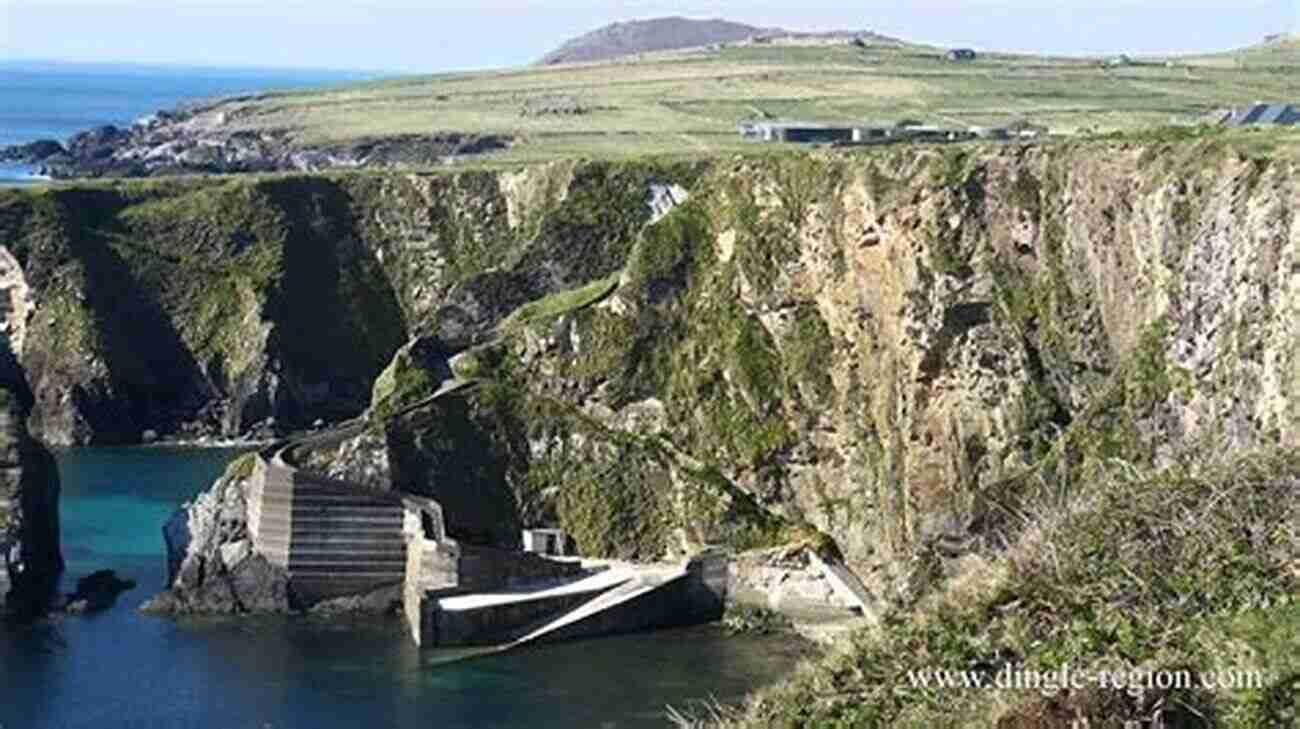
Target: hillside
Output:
[(687, 105), (1041, 400), (643, 36)]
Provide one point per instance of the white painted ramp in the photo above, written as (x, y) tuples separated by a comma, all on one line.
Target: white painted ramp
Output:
[(603, 580), (633, 588)]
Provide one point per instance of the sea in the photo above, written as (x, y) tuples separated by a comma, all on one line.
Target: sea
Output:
[(48, 100), (121, 669)]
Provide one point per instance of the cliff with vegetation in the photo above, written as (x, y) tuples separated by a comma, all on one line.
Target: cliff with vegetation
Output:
[(252, 306), (1040, 399)]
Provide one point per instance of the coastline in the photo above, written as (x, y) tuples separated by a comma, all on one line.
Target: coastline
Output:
[(21, 175), (49, 133)]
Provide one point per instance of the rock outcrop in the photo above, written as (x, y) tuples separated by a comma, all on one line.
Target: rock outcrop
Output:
[(889, 352), (212, 567), (250, 307), (209, 139), (97, 591), (32, 152), (30, 555)]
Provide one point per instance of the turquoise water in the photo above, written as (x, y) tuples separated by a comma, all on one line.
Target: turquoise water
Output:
[(124, 670), (57, 100)]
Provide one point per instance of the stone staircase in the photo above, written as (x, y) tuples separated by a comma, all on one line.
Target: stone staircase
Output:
[(333, 539), (336, 538)]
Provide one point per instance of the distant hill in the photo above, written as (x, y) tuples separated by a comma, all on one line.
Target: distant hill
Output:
[(1283, 39), (642, 36)]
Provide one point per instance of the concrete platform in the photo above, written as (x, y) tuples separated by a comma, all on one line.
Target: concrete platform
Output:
[(618, 599)]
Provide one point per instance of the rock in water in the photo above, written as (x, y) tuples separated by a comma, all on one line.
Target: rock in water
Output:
[(30, 560), (97, 591), (210, 564)]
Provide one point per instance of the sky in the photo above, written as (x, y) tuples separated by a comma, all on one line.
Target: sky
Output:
[(413, 36)]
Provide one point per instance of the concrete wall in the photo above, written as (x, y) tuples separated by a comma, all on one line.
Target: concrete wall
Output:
[(695, 598), (449, 568), (496, 624), (485, 568)]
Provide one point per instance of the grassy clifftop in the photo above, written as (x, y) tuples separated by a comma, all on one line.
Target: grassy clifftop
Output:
[(688, 103)]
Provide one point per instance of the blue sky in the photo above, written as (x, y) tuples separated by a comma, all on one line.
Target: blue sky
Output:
[(408, 35)]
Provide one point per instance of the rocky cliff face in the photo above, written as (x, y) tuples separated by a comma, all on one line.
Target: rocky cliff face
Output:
[(251, 306), (211, 564), (884, 354), (213, 139), (30, 558)]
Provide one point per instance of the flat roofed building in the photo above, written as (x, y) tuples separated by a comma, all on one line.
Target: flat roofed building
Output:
[(546, 541), (797, 132)]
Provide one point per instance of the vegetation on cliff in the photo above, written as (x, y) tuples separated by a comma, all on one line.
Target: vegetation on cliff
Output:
[(212, 307), (992, 381), (996, 381), (1190, 568)]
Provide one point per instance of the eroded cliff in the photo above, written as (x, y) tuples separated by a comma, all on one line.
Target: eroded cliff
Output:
[(1041, 399), (30, 555), (890, 352), (222, 308)]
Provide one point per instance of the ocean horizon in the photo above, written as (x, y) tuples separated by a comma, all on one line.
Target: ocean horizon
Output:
[(55, 100)]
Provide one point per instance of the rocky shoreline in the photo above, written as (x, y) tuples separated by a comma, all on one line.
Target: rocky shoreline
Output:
[(210, 139)]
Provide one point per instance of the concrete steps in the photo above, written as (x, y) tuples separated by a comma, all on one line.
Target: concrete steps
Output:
[(333, 540), (327, 501), (322, 522)]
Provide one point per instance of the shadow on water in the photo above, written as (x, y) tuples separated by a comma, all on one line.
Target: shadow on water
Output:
[(121, 668)]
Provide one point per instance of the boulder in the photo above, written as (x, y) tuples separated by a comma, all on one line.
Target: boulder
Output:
[(211, 564), (234, 553), (97, 591), (260, 587)]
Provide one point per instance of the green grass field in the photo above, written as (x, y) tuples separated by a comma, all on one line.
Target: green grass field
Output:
[(688, 103)]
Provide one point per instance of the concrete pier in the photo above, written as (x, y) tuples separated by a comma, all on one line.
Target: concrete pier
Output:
[(336, 538), (619, 599)]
